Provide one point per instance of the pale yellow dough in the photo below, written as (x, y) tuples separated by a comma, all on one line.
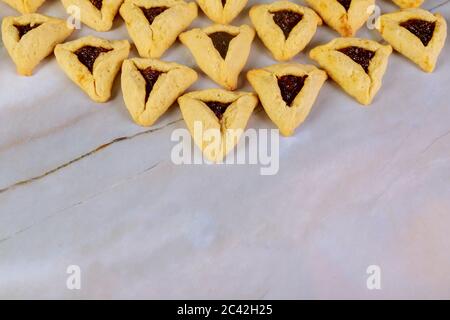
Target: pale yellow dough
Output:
[(172, 82), (273, 37), (223, 71), (99, 20), (27, 52), (227, 130), (265, 82), (153, 40), (404, 4), (97, 84), (220, 14), (335, 15), (407, 43), (25, 6), (350, 75)]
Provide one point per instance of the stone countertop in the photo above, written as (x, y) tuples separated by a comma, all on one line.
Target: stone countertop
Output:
[(82, 185)]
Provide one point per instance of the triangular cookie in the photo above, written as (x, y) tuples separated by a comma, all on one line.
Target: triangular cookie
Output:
[(155, 25), (216, 119), (96, 14), (287, 92), (284, 27), (404, 4), (357, 65), (220, 51), (417, 34), (344, 16), (222, 11), (25, 6), (151, 86), (32, 37), (92, 63)]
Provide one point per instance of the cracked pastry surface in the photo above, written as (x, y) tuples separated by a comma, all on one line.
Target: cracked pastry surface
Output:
[(155, 25), (344, 16), (216, 119), (284, 27), (357, 65), (417, 34), (220, 51), (96, 14), (32, 37), (287, 92), (151, 86), (92, 63)]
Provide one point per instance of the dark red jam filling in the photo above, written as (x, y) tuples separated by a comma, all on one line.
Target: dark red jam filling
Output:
[(24, 29), (345, 3), (421, 29), (88, 54), (97, 3), (290, 86), (360, 55), (150, 76), (218, 108), (287, 20), (152, 13), (221, 41)]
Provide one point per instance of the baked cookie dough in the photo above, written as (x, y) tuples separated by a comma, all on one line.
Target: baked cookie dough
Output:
[(155, 25), (32, 37), (25, 6), (96, 14), (216, 119), (222, 11), (151, 86), (344, 16), (417, 34), (220, 51), (287, 92), (284, 27), (405, 4), (357, 65), (92, 63)]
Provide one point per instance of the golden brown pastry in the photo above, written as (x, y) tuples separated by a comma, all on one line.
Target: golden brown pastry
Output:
[(25, 6), (222, 11)]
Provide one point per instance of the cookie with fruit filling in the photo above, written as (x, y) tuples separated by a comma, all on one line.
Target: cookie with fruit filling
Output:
[(284, 27), (92, 63), (216, 119), (220, 51), (287, 92), (25, 6), (357, 65), (344, 16), (222, 11), (154, 25), (32, 37), (151, 86), (417, 34), (96, 14)]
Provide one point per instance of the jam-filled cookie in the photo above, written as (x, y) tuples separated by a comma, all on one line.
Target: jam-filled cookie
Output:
[(405, 4), (287, 92), (216, 119), (96, 14), (222, 11), (154, 25), (284, 27), (357, 65), (25, 6), (32, 37), (344, 16), (92, 63), (151, 86), (220, 51), (417, 34)]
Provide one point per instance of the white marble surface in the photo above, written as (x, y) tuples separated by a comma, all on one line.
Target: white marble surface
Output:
[(356, 187)]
